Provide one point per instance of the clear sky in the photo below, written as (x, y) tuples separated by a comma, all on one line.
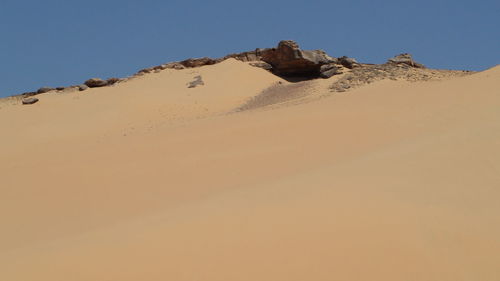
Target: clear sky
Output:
[(64, 42)]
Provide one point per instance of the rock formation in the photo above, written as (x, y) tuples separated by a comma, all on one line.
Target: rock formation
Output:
[(96, 82), (289, 60), (405, 59)]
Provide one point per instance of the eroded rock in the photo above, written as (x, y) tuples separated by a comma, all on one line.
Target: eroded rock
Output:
[(405, 59), (96, 82), (289, 60)]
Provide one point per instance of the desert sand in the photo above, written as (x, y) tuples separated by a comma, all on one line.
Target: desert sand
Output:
[(151, 180)]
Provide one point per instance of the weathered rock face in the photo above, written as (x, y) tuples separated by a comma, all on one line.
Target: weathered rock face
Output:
[(30, 100), (96, 82), (289, 60), (405, 59)]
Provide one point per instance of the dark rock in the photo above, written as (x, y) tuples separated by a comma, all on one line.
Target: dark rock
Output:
[(329, 70), (82, 87), (60, 88), (112, 81), (405, 59), (44, 90), (96, 82), (30, 100), (348, 62), (198, 81), (289, 60), (199, 62)]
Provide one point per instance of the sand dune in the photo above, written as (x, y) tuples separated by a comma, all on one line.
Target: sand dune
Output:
[(150, 180)]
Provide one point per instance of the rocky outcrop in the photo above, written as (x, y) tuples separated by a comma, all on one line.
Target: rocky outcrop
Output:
[(96, 82), (29, 100), (289, 60), (405, 59)]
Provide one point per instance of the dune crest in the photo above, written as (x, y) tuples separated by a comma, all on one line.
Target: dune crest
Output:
[(152, 179)]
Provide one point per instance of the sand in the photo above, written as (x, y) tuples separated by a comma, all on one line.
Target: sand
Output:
[(150, 180)]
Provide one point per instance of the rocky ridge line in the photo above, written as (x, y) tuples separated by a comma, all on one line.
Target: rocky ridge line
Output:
[(287, 60)]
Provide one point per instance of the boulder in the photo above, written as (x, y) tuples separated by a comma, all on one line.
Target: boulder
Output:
[(348, 62), (96, 82), (60, 88), (289, 60), (44, 90), (405, 59), (30, 100), (82, 87), (329, 70)]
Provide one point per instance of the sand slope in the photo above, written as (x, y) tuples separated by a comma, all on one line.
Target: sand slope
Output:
[(391, 181)]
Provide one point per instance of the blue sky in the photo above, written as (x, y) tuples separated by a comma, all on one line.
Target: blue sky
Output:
[(56, 43)]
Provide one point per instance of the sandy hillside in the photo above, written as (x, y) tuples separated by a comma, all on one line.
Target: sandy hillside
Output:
[(151, 180)]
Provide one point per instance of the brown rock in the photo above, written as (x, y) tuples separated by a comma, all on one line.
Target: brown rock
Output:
[(96, 82), (289, 60), (199, 62), (405, 59)]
